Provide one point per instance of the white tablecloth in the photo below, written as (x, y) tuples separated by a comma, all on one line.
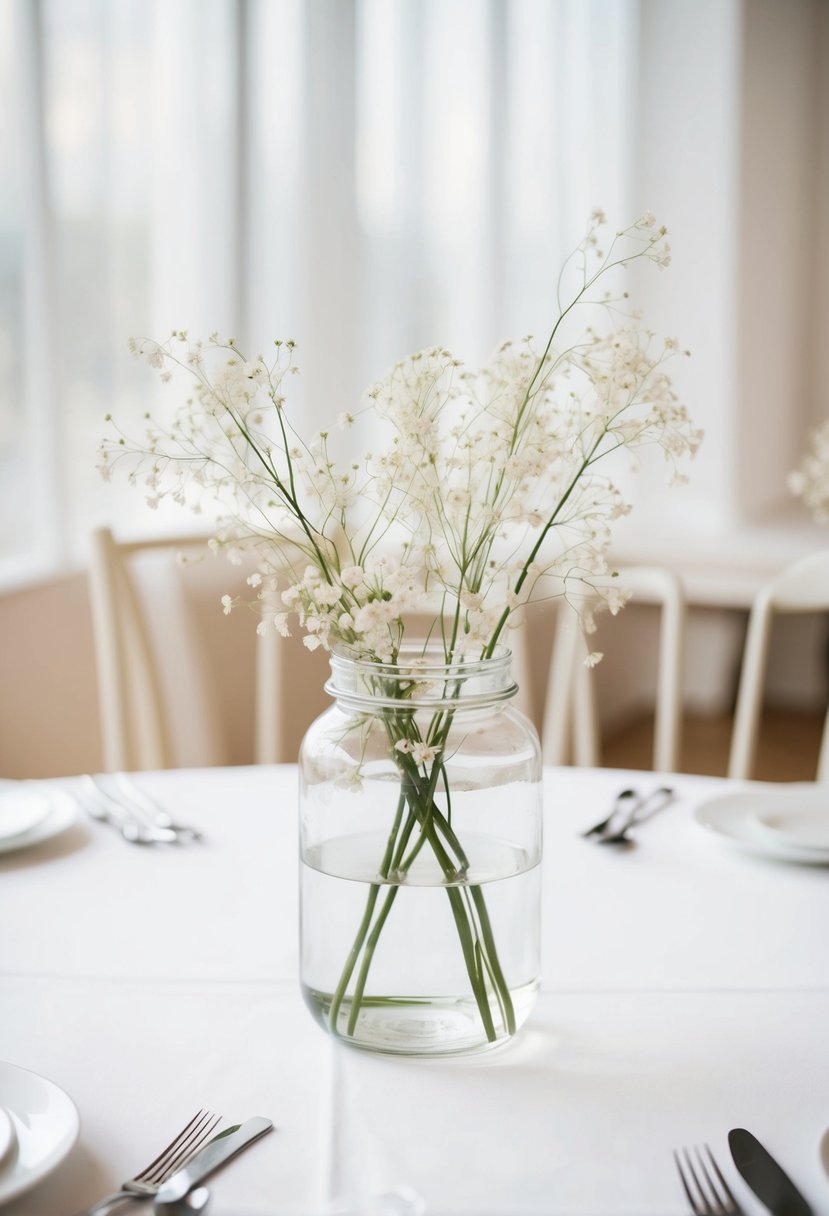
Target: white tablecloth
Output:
[(685, 992)]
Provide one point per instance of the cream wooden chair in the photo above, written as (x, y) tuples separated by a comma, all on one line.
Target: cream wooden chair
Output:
[(571, 728), (289, 695), (135, 722), (801, 587)]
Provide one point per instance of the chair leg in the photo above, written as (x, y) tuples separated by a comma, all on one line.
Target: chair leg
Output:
[(585, 714), (555, 738), (750, 693), (667, 729)]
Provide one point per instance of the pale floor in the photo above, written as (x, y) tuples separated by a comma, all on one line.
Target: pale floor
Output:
[(787, 750)]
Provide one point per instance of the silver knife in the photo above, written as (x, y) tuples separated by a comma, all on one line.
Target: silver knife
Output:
[(760, 1171), (216, 1153)]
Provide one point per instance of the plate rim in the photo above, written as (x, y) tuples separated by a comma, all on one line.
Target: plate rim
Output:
[(779, 850), (6, 1148), (11, 1188), (39, 796), (62, 814), (780, 832)]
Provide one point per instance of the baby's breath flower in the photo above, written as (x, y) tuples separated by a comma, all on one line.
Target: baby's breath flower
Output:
[(422, 753), (810, 481), (491, 480)]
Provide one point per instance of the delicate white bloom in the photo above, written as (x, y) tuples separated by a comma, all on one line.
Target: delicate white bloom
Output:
[(593, 658), (227, 604), (615, 598), (471, 473), (423, 754), (810, 481)]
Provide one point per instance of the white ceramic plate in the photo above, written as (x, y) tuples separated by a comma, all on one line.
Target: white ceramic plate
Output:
[(20, 811), (744, 819), (45, 1124), (804, 827), (7, 1136), (60, 812)]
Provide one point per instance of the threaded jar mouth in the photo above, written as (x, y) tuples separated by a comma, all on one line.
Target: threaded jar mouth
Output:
[(422, 679)]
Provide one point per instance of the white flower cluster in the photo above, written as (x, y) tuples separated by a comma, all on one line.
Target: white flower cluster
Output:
[(810, 481), (482, 487)]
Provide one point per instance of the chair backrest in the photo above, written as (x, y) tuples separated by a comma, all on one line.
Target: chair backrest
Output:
[(135, 723), (801, 587), (571, 723), (289, 695)]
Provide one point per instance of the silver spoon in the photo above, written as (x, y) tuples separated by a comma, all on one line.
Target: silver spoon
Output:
[(618, 803), (644, 809), (196, 1201)]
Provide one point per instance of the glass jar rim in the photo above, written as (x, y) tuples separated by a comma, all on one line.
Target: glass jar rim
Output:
[(463, 683)]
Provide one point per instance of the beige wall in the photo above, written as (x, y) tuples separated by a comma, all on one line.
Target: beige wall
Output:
[(48, 703)]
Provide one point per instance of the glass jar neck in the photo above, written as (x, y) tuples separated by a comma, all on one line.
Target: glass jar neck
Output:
[(421, 679)]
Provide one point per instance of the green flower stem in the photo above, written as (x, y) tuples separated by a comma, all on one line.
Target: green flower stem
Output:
[(368, 955), (432, 822), (374, 891), (470, 950), (477, 895), (467, 904), (525, 569), (498, 979), (351, 961)]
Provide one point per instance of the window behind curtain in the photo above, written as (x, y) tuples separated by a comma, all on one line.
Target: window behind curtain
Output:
[(364, 177)]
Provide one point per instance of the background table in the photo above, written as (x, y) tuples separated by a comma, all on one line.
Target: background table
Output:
[(685, 991)]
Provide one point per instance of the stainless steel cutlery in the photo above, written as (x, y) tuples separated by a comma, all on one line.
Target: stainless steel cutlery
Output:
[(768, 1180), (621, 800), (172, 1179), (118, 801), (709, 1194), (158, 816), (178, 1152), (224, 1146), (706, 1190), (629, 810)]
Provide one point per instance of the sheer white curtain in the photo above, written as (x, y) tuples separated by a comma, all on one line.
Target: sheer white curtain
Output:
[(365, 176)]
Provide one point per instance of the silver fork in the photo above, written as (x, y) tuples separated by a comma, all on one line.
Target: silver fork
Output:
[(177, 1153), (141, 801), (712, 1199), (100, 805)]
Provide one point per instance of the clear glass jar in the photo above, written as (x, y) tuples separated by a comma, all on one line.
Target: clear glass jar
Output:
[(420, 850)]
